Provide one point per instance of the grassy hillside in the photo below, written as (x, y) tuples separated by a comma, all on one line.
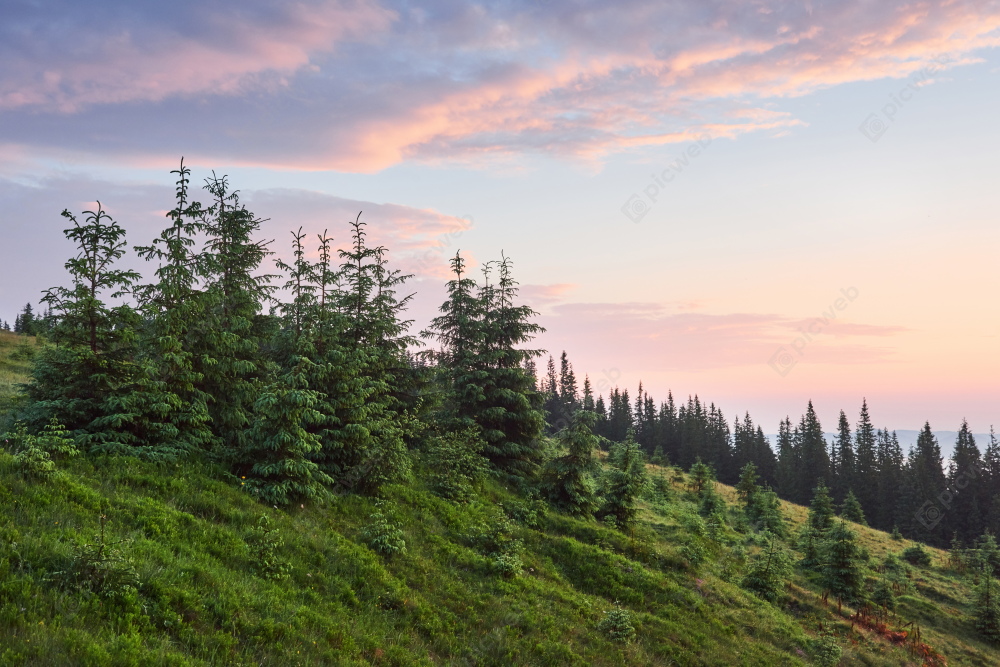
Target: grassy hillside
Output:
[(185, 575)]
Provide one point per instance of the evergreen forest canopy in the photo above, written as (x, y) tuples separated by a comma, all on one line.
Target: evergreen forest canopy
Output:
[(327, 393)]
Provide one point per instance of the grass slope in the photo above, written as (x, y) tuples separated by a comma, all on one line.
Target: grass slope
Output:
[(196, 598)]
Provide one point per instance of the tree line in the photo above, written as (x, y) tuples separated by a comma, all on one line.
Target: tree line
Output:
[(926, 497)]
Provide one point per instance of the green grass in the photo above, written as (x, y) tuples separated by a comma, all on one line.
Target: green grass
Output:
[(198, 600), (14, 367)]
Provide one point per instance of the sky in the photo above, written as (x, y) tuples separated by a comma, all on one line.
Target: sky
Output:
[(761, 203)]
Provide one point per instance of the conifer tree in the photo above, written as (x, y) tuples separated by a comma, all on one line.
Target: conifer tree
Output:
[(768, 571), (228, 352), (923, 483), (987, 606), (748, 484), (588, 395), (567, 480), (965, 478), (623, 484), (789, 459), (509, 412), (764, 511), (821, 514), (815, 460), (865, 479), (851, 509), (276, 459), (92, 359), (844, 448), (166, 414), (890, 480), (841, 571)]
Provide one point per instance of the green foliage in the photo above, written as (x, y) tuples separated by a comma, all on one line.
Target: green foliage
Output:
[(623, 484), (917, 555), (265, 543), (701, 477), (763, 511), (617, 625), (384, 536), (567, 480), (826, 652), (456, 464), (884, 596), (851, 510), (497, 541), (821, 514), (34, 453), (747, 486), (987, 606), (100, 567), (841, 567), (896, 535), (768, 571)]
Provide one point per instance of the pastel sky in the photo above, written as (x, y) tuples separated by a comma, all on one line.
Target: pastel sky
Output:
[(685, 187)]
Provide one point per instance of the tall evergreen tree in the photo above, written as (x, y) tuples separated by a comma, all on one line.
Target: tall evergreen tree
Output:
[(623, 483), (843, 475), (788, 463), (815, 460), (923, 483), (890, 480), (865, 479), (567, 479), (95, 343), (821, 514), (965, 485), (842, 574)]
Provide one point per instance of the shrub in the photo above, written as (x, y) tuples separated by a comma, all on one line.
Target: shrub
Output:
[(917, 555), (456, 463), (617, 625), (768, 571), (896, 535), (383, 536), (100, 567), (529, 513), (265, 543), (496, 541)]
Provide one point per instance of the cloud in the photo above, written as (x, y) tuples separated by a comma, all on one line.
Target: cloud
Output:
[(354, 86)]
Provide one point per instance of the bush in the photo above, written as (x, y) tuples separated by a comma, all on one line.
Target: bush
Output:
[(102, 567), (617, 625), (456, 463), (917, 555), (265, 543), (496, 541), (384, 537)]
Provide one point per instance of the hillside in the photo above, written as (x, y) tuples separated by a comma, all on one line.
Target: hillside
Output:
[(186, 574)]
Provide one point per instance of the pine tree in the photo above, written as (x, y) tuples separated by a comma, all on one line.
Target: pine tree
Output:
[(748, 484), (865, 480), (567, 480), (844, 447), (821, 514), (986, 603), (923, 483), (509, 413), (851, 509), (842, 574), (768, 571), (92, 359), (890, 480), (789, 458), (228, 351), (623, 484), (965, 479), (588, 395), (814, 456), (275, 461), (166, 414)]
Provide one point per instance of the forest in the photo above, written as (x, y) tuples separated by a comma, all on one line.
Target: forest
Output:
[(300, 384)]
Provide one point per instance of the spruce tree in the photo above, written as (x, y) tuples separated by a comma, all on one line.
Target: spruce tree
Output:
[(623, 483), (923, 483), (890, 480), (986, 603), (841, 571), (814, 456), (965, 480), (789, 459), (567, 480), (865, 480), (748, 484), (768, 571), (95, 343), (851, 509), (166, 414), (821, 514), (844, 447), (509, 412), (228, 351), (275, 461)]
